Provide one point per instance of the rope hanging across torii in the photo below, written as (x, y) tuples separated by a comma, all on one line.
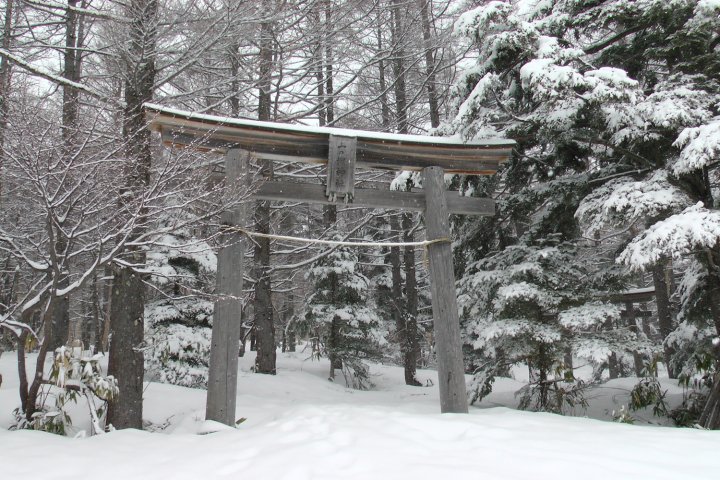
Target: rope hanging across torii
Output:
[(336, 243), (341, 150)]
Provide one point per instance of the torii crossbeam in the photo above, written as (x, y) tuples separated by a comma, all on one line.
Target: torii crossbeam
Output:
[(341, 150)]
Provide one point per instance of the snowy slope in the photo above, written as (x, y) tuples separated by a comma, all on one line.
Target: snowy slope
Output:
[(300, 426)]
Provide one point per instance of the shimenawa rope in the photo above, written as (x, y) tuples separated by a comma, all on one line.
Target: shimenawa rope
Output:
[(424, 243)]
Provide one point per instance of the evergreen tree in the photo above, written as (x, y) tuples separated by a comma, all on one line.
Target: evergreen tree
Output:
[(178, 322), (614, 107), (341, 301), (527, 304)]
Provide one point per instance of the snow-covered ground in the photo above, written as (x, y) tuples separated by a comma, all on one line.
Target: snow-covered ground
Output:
[(300, 426)]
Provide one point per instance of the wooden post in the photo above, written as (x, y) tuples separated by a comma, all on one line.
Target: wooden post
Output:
[(222, 381), (451, 374)]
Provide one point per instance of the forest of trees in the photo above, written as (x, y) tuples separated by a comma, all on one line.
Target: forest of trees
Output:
[(604, 249)]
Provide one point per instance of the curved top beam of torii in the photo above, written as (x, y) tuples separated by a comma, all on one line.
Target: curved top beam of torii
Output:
[(300, 143)]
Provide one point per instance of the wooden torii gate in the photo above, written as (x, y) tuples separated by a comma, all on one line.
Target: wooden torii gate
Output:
[(341, 150)]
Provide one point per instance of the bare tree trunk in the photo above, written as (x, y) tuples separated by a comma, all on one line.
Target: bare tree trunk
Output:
[(332, 346), (32, 391), (325, 89), (60, 313), (333, 341), (329, 89), (107, 306), (264, 325), (29, 407), (126, 361), (245, 331), (86, 325), (5, 71), (289, 324), (429, 63), (71, 71), (22, 372), (292, 340), (95, 323), (384, 104), (233, 52), (568, 359), (396, 300), (613, 367), (318, 68), (412, 347), (662, 299), (126, 356), (544, 365), (60, 316), (286, 315), (9, 283), (710, 417), (399, 68)]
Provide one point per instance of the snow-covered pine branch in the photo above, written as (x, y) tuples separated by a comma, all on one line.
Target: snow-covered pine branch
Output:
[(700, 148), (691, 231)]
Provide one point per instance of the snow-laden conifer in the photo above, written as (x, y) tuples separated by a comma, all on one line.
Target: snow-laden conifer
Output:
[(612, 152), (178, 321), (341, 318)]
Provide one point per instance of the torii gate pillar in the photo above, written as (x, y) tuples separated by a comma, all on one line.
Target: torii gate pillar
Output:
[(222, 378), (446, 323)]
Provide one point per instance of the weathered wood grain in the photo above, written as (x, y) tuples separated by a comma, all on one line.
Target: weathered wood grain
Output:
[(341, 167), (281, 143), (446, 323), (372, 198), (222, 381)]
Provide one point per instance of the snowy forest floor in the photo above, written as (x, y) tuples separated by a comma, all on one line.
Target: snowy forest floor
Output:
[(301, 426)]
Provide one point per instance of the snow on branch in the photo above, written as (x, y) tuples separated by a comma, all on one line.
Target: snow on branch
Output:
[(16, 327), (547, 78), (470, 24), (593, 314), (701, 147), (39, 72), (695, 228), (523, 291), (706, 12), (515, 328), (624, 202), (82, 11)]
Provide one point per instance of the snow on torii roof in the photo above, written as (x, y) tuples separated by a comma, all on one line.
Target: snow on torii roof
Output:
[(301, 143)]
